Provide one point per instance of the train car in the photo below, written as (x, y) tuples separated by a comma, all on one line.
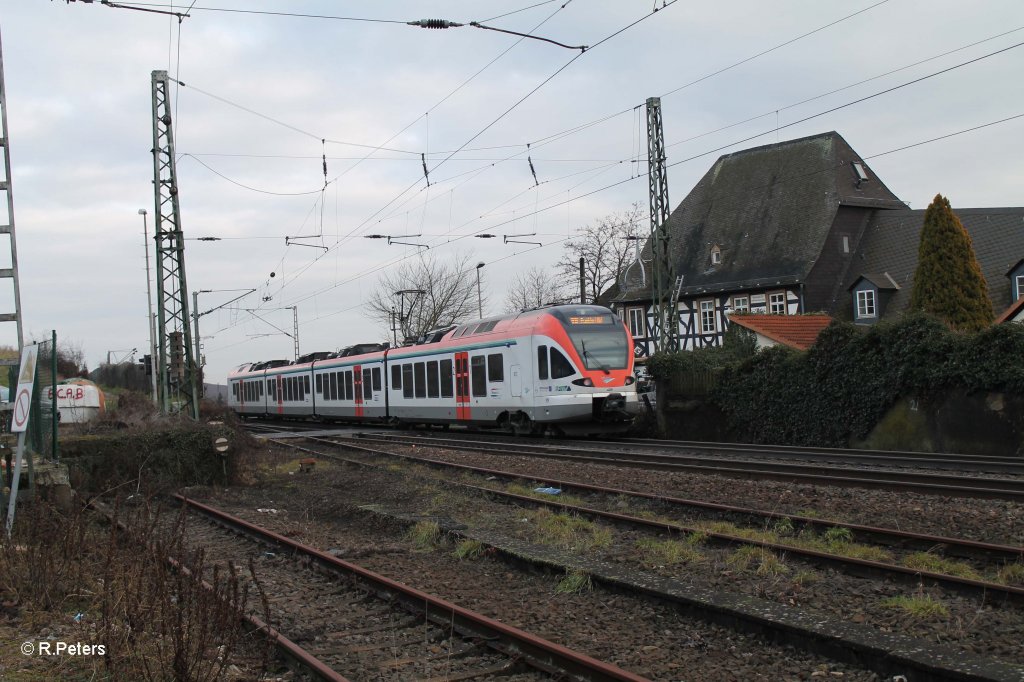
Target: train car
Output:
[(561, 369)]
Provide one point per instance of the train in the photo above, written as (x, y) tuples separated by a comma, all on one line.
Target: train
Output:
[(557, 370)]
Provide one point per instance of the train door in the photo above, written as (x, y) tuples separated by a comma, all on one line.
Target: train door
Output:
[(515, 381), (462, 409), (357, 373)]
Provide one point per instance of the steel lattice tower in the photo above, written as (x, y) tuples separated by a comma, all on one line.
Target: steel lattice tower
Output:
[(179, 376), (6, 187), (666, 326)]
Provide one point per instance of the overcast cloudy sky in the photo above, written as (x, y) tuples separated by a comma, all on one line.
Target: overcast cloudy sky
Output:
[(262, 90)]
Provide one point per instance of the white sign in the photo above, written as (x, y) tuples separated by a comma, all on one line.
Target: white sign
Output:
[(23, 396)]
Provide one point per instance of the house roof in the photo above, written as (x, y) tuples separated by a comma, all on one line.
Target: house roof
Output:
[(769, 210), (795, 331), (1014, 267), (881, 281), (1016, 308), (891, 242)]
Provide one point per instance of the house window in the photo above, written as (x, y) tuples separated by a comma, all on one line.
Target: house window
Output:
[(777, 303), (636, 322), (740, 304), (1020, 287), (707, 317), (716, 255), (866, 303)]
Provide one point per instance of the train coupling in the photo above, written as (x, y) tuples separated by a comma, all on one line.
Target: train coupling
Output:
[(611, 407)]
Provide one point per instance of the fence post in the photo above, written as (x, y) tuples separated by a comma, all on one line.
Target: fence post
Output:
[(53, 395)]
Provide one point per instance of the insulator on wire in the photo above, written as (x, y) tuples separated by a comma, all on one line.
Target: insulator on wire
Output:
[(434, 23), (426, 174), (530, 161)]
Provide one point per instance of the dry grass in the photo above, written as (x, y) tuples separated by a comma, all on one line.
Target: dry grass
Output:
[(567, 531), (920, 607)]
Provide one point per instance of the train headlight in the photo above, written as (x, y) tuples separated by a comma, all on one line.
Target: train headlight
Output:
[(588, 382), (630, 381)]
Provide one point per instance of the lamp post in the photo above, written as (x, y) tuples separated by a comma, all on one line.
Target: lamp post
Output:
[(479, 296), (149, 301)]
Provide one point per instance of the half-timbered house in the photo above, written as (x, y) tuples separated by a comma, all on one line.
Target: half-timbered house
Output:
[(795, 227)]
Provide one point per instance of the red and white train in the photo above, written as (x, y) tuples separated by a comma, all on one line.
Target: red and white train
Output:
[(560, 369)]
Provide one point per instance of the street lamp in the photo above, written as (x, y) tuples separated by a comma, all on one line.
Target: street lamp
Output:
[(149, 301), (479, 296)]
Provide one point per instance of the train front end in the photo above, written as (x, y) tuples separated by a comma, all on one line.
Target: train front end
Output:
[(599, 395)]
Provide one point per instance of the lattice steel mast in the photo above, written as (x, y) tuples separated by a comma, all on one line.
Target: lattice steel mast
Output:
[(666, 325), (179, 376), (8, 228)]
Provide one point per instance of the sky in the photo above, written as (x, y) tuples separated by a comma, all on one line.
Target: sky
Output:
[(263, 96)]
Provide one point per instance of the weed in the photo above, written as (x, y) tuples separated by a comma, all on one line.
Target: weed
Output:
[(837, 535), (568, 530), (925, 561), (697, 538), (920, 606), (783, 528), (468, 549), (574, 582), (805, 578), (1011, 574), (425, 535), (771, 565), (666, 552), (743, 557)]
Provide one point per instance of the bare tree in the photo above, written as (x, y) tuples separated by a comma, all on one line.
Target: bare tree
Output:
[(450, 295), (534, 288), (604, 249)]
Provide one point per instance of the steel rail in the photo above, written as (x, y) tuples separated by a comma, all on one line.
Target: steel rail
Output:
[(987, 591), (961, 547), (935, 484), (290, 649), (539, 653), (955, 461)]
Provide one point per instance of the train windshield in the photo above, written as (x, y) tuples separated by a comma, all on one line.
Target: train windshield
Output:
[(598, 336)]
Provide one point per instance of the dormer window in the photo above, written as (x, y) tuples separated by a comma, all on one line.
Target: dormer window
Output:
[(716, 255)]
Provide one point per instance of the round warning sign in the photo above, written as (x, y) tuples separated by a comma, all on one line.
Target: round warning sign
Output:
[(22, 405)]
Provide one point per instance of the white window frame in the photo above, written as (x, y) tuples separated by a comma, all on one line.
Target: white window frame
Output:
[(866, 304), (1020, 287), (636, 319), (708, 315), (737, 308), (772, 302), (716, 256)]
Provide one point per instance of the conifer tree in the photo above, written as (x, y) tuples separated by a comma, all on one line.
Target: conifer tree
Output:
[(948, 282)]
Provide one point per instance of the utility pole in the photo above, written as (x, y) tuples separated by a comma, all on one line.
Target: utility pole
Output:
[(295, 323), (479, 296), (583, 281), (149, 300), (666, 325), (179, 376)]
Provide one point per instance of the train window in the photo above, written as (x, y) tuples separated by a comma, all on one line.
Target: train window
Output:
[(486, 326), (396, 377), (478, 376), (432, 385), (542, 362), (320, 383), (305, 384), (495, 367), (367, 385), (407, 380), (376, 378), (446, 378), (421, 380), (349, 393), (560, 365)]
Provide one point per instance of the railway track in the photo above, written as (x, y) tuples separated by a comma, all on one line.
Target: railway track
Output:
[(346, 622), (985, 552), (1011, 489), (782, 623)]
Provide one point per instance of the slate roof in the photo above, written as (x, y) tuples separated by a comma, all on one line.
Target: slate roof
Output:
[(892, 238), (769, 209), (795, 331), (1016, 308)]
